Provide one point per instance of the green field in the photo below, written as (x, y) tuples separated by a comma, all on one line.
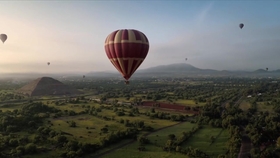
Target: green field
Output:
[(185, 102), (131, 151), (244, 105), (201, 140), (152, 150), (90, 135), (10, 107), (161, 136), (144, 109), (261, 106)]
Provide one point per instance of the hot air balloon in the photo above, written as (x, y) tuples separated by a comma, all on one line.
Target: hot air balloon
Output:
[(266, 69), (48, 63), (84, 76), (186, 59), (3, 37), (241, 25), (126, 49)]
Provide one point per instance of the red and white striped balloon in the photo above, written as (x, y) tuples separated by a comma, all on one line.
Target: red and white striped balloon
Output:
[(126, 49)]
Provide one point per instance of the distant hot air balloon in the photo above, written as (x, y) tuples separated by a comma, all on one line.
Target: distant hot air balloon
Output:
[(266, 69), (126, 49), (186, 59), (48, 63), (3, 37), (241, 25), (84, 76)]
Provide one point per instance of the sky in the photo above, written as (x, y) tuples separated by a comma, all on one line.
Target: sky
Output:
[(71, 34)]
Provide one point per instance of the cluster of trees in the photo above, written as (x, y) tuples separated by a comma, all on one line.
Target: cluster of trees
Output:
[(4, 96), (261, 128), (31, 117), (174, 143)]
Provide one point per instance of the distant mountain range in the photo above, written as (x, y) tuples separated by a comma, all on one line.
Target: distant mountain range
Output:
[(187, 70), (172, 70)]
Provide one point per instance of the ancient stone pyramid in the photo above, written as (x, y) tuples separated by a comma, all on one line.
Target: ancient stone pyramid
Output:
[(46, 86)]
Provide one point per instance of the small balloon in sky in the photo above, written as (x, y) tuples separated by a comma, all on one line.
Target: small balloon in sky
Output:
[(241, 25), (3, 37)]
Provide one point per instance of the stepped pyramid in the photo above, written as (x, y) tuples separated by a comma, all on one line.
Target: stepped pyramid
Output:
[(47, 86)]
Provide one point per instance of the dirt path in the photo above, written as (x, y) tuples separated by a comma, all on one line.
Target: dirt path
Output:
[(246, 145), (132, 141)]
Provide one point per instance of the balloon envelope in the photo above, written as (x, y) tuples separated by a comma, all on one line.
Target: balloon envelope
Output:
[(126, 49), (3, 37), (241, 25), (48, 63)]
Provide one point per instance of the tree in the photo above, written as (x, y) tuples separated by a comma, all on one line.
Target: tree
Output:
[(104, 130), (30, 148), (72, 124), (171, 136)]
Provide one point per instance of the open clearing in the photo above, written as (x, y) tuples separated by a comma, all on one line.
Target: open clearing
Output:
[(202, 140), (244, 105), (261, 106), (161, 136), (151, 150)]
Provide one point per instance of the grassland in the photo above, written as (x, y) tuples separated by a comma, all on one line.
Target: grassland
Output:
[(244, 105), (185, 102), (12, 106), (90, 135), (153, 150), (95, 124), (161, 136), (262, 106), (143, 109), (202, 140)]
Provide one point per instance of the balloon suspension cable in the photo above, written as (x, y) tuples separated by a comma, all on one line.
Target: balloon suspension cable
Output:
[(126, 82)]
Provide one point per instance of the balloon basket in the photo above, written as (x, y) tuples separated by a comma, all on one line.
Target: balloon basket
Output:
[(126, 82)]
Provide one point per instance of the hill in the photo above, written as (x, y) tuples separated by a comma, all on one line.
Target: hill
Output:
[(187, 70), (181, 67), (47, 86), (260, 71), (178, 70)]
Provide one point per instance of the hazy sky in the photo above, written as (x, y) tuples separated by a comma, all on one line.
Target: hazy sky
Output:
[(71, 34)]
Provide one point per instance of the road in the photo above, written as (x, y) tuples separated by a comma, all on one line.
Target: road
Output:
[(246, 144)]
